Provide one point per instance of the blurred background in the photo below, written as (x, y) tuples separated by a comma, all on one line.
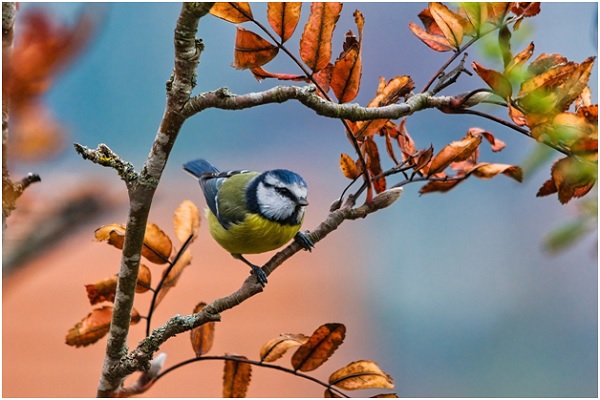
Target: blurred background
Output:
[(452, 294)]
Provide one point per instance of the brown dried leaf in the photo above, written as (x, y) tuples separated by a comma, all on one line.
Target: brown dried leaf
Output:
[(497, 12), (186, 221), (572, 178), (144, 279), (519, 60), (260, 74), (275, 348), (405, 141), (450, 23), (494, 79), (348, 166), (251, 50), (103, 290), (495, 143), (516, 115), (315, 43), (422, 159), (435, 42), (347, 71), (319, 347), (440, 186), (323, 80), (454, 152), (236, 377), (528, 9), (374, 164), (202, 337), (283, 18), (363, 374), (547, 189), (157, 245), (93, 327), (232, 12), (171, 279), (488, 171)]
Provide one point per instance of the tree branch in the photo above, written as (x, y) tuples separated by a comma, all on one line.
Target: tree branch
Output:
[(139, 359), (104, 156), (141, 192)]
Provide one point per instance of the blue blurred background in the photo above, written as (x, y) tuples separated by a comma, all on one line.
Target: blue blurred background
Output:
[(462, 299)]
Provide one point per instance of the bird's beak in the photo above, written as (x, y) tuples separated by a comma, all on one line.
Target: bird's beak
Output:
[(302, 202)]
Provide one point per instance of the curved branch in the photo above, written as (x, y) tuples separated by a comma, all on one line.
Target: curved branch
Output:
[(139, 358)]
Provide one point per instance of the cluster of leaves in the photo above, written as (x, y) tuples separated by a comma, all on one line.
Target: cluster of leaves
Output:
[(157, 249), (43, 49), (311, 352), (547, 88)]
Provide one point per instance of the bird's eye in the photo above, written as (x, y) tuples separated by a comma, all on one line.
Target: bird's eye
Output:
[(283, 191)]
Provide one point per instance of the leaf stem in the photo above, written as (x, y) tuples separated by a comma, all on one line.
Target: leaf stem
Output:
[(251, 362)]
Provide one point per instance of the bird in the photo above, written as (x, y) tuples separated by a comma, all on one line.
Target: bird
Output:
[(251, 212)]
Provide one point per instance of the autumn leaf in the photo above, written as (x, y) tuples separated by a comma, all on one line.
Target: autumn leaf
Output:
[(435, 42), (476, 14), (319, 347), (251, 50), (440, 185), (236, 377), (260, 74), (275, 348), (495, 143), (488, 171), (232, 12), (105, 289), (528, 9), (405, 141), (347, 70), (422, 159), (157, 245), (572, 178), (454, 152), (363, 374), (553, 90), (186, 221), (283, 18), (202, 336), (173, 277), (374, 164), (348, 167), (449, 22), (496, 12), (93, 327), (519, 60), (494, 79), (315, 43)]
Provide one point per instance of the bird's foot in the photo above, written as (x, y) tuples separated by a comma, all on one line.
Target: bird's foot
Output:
[(304, 241), (261, 277)]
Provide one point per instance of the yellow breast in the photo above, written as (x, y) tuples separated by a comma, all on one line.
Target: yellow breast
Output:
[(254, 235)]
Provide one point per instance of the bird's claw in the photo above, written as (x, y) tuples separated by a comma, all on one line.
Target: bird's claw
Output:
[(261, 277), (304, 241)]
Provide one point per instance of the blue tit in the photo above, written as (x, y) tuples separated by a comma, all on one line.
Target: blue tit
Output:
[(251, 212)]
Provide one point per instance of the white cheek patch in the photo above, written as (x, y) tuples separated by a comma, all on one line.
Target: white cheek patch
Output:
[(272, 204)]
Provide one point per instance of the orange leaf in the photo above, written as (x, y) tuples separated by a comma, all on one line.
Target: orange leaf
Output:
[(347, 71), (260, 74), (405, 142), (171, 279), (186, 221), (435, 42), (488, 171), (456, 151), (283, 18), (547, 188), (476, 14), (202, 336), (519, 59), (497, 12), (450, 23), (315, 43), (105, 289), (275, 348), (319, 347), (236, 377), (496, 144), (363, 374), (157, 245), (251, 50), (495, 80), (573, 178), (422, 159), (374, 164), (439, 186), (516, 115), (93, 327), (526, 9), (232, 12), (348, 166), (323, 79)]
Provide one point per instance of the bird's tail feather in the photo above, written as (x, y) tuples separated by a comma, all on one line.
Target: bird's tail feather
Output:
[(200, 167)]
